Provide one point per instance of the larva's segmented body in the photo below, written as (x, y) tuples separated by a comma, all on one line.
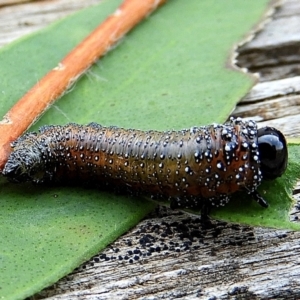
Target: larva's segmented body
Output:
[(190, 167)]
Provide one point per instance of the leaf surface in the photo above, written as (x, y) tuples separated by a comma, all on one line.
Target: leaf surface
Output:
[(171, 72)]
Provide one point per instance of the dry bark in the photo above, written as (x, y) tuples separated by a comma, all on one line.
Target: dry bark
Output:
[(170, 254)]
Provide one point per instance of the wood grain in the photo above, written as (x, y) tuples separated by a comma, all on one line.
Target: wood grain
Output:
[(226, 262), (222, 261)]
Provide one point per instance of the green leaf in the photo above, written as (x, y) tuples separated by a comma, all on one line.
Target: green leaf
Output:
[(172, 71), (47, 232)]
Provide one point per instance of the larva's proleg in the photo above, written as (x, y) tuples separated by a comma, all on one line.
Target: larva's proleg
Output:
[(190, 167)]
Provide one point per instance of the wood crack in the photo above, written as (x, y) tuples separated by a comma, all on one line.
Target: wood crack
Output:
[(177, 256)]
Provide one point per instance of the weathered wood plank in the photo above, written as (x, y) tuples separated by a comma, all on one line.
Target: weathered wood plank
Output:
[(273, 89), (224, 261), (22, 19), (273, 103), (290, 8), (275, 51), (170, 254)]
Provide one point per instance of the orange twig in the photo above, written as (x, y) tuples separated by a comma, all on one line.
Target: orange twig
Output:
[(51, 86)]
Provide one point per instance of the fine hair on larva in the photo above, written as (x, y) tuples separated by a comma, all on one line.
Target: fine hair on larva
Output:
[(193, 168)]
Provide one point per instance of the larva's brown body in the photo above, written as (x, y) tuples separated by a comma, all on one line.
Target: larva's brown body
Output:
[(189, 167)]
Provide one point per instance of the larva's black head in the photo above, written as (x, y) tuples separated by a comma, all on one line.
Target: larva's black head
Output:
[(273, 152)]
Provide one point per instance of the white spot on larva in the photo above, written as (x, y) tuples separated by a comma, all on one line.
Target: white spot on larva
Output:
[(251, 124), (193, 129), (224, 131)]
